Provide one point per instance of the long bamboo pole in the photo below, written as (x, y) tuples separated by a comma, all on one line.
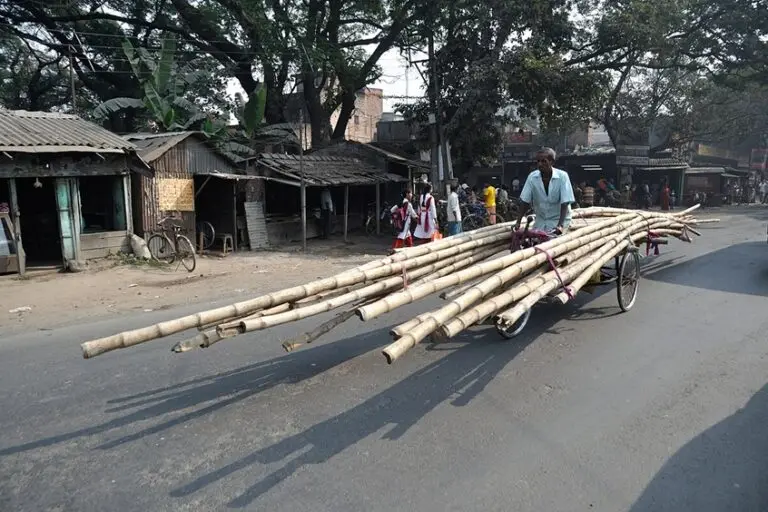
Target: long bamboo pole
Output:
[(437, 318), (612, 247), (461, 260), (555, 247), (134, 337)]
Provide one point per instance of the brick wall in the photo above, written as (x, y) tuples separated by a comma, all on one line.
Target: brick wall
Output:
[(369, 108)]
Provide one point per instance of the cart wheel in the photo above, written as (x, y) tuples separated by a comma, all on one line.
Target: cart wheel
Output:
[(516, 328), (627, 280)]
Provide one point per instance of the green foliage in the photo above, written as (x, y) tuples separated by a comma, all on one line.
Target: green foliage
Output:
[(163, 87)]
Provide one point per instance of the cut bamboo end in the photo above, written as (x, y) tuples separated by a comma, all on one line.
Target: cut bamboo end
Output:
[(394, 351)]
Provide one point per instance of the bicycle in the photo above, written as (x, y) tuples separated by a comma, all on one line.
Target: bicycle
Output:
[(385, 220), (475, 216), (167, 250)]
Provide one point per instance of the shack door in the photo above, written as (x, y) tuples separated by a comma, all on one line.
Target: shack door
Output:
[(64, 187)]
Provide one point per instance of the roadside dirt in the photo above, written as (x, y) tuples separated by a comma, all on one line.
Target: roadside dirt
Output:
[(112, 287)]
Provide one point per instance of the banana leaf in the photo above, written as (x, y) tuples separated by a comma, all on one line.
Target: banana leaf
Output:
[(116, 105), (163, 71)]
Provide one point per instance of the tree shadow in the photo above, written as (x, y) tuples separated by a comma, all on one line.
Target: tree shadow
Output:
[(217, 391), (723, 468), (722, 270)]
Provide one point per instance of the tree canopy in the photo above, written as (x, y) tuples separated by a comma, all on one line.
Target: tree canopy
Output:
[(623, 63)]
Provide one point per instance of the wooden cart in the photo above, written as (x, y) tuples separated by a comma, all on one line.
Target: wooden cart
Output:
[(624, 273)]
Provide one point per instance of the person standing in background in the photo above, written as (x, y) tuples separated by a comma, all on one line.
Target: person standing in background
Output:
[(405, 215), (516, 187), (427, 216), (454, 213), (588, 194), (326, 210), (665, 195), (489, 199), (503, 194)]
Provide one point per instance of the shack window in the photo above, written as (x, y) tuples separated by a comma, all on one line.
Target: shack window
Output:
[(7, 242), (102, 204)]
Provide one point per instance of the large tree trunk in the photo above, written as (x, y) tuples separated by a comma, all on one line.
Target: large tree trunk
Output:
[(347, 109), (319, 119)]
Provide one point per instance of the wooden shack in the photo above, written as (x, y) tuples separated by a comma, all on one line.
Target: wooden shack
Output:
[(65, 182), (355, 186), (192, 180)]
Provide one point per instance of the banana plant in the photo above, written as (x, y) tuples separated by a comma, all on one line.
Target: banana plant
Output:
[(163, 87)]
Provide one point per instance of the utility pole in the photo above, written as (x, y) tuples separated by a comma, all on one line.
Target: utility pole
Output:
[(442, 149), (303, 185), (72, 80)]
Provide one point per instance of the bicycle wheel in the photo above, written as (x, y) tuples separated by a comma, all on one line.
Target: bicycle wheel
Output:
[(209, 234), (161, 249), (186, 252), (472, 222)]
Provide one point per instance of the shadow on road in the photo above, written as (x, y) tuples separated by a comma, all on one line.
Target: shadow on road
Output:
[(457, 378), (218, 391), (722, 270), (723, 468)]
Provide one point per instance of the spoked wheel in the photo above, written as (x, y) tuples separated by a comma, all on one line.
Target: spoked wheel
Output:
[(209, 234), (472, 222), (516, 328), (186, 253), (628, 278), (500, 219), (161, 249)]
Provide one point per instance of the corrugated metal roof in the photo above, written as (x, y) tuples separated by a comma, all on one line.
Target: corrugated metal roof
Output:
[(152, 146), (705, 170), (45, 132), (327, 170)]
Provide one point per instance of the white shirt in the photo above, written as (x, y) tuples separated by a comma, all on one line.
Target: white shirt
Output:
[(326, 202), (454, 210), (545, 205)]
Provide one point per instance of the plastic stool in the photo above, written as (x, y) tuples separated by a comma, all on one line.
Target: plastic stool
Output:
[(227, 244)]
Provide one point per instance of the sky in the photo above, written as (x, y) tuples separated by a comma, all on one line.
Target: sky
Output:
[(397, 81)]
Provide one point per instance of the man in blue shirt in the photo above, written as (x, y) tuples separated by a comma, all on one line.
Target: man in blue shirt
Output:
[(548, 191)]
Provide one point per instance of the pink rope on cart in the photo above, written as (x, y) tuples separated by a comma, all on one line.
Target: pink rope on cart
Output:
[(566, 289)]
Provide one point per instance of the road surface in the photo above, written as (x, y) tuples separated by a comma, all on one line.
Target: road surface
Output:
[(662, 408)]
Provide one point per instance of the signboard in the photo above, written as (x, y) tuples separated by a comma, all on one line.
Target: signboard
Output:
[(759, 160), (633, 155), (518, 138), (176, 195)]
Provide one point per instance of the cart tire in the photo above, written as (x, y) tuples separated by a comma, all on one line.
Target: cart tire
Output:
[(628, 279), (513, 330), (161, 249)]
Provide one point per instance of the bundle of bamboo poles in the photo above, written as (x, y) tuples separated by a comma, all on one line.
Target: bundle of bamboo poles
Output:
[(478, 276)]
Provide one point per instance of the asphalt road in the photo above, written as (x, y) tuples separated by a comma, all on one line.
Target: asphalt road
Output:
[(662, 408)]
